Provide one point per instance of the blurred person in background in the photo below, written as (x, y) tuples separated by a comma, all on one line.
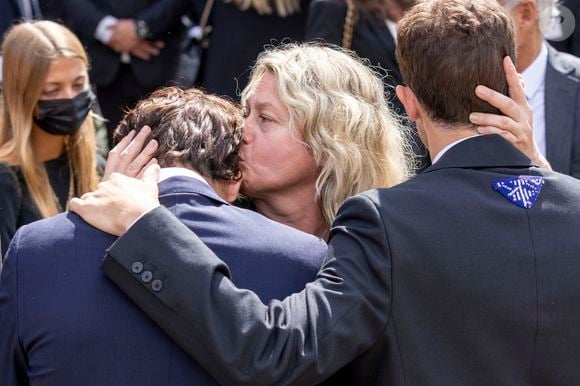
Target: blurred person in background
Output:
[(241, 29), (47, 139), (133, 46), (552, 82)]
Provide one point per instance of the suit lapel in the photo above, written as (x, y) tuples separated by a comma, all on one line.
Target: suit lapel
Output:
[(560, 101)]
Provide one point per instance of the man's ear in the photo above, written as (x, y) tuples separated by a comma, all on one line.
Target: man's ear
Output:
[(409, 101), (526, 13)]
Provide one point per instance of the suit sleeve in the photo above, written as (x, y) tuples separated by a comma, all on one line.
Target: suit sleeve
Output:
[(163, 15), (326, 21), (12, 357), (83, 16), (301, 340)]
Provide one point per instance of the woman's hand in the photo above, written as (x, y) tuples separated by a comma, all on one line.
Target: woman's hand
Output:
[(517, 122), (129, 157)]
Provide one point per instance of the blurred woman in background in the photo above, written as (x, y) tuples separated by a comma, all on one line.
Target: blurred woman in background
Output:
[(47, 138)]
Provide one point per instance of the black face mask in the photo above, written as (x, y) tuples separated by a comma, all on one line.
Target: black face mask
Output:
[(64, 116)]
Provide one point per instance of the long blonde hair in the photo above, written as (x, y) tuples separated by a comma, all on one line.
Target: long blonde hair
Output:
[(28, 50), (340, 107)]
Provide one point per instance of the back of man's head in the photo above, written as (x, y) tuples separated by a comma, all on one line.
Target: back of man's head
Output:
[(445, 48), (195, 130)]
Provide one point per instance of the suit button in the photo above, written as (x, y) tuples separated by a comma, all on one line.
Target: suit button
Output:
[(157, 285), (137, 267), (146, 276)]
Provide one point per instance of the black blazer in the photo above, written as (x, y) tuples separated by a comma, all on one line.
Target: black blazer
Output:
[(562, 109), (9, 13), (440, 280), (236, 40), (162, 17), (371, 39)]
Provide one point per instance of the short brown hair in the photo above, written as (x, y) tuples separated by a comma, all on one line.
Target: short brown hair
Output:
[(198, 130), (445, 48)]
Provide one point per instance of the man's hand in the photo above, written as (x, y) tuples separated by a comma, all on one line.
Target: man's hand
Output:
[(123, 38), (145, 49), (129, 157), (517, 122), (118, 202)]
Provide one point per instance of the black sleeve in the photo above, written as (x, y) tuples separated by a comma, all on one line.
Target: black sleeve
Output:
[(303, 339), (326, 21), (164, 15), (9, 205), (83, 16)]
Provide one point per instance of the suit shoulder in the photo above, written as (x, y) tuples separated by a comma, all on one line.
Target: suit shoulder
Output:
[(63, 227)]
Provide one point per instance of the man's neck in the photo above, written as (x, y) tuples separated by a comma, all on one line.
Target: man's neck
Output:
[(298, 210), (529, 50), (439, 137)]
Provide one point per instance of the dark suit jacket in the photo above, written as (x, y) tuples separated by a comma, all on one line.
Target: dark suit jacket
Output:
[(162, 17), (371, 39), (562, 108), (9, 13), (437, 281), (63, 323), (236, 40)]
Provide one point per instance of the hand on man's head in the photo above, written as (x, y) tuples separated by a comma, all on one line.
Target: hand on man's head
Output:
[(129, 157), (516, 125)]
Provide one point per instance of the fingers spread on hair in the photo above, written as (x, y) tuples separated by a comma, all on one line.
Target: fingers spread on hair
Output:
[(134, 148), (142, 160), (503, 103)]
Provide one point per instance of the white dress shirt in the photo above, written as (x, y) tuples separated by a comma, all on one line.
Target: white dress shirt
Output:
[(535, 79), (446, 148)]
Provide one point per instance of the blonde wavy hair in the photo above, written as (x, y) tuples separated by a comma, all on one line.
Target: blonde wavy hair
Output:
[(338, 104), (28, 50)]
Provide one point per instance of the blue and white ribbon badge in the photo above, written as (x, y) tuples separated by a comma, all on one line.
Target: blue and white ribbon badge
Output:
[(522, 191)]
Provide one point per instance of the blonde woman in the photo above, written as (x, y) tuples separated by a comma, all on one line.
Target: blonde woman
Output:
[(47, 141), (317, 131)]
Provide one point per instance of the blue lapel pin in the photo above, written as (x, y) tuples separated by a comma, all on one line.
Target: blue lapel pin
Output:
[(522, 191)]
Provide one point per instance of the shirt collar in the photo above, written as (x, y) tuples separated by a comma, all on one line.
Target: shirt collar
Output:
[(167, 173), (535, 74), (446, 148)]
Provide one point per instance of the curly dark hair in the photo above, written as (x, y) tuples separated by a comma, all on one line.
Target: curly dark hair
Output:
[(200, 131)]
